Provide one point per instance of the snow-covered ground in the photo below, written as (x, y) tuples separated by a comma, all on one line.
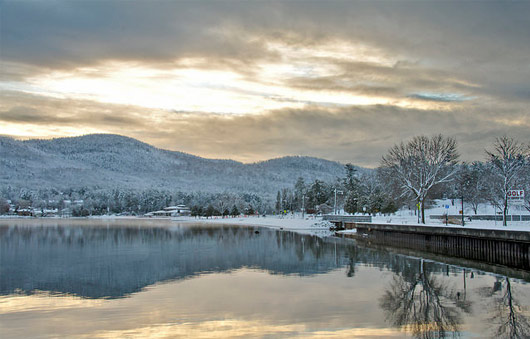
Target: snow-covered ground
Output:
[(439, 207), (319, 227), (403, 217), (407, 217), (295, 223), (311, 225), (479, 224)]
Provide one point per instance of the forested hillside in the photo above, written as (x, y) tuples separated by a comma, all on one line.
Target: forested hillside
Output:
[(111, 161)]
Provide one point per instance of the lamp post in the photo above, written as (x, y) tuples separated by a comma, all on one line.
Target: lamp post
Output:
[(303, 206), (335, 205)]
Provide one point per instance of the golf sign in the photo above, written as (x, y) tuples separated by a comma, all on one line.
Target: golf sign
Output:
[(515, 197)]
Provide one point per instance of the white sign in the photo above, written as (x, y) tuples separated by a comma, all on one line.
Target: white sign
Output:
[(515, 197)]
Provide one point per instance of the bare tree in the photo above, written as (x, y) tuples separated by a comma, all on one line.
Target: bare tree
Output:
[(507, 162), (508, 316), (420, 164), (526, 186), (472, 184), (423, 305)]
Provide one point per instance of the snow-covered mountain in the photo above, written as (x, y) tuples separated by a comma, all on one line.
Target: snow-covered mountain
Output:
[(106, 160)]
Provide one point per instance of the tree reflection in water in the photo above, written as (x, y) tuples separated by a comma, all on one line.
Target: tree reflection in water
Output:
[(508, 315), (419, 303), (352, 260)]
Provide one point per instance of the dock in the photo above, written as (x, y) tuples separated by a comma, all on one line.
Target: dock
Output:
[(500, 247)]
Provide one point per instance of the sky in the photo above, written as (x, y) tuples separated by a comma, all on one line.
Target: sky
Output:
[(254, 80)]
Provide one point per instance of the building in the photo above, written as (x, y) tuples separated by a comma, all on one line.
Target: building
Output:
[(171, 211)]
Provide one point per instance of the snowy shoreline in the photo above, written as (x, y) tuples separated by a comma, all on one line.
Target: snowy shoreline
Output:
[(308, 225)]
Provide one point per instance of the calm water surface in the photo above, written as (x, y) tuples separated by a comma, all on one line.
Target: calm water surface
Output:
[(128, 278)]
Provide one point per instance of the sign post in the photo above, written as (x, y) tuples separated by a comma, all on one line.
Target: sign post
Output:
[(462, 201), (515, 197)]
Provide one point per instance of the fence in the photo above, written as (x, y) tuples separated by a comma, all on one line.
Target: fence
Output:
[(521, 217), (347, 218)]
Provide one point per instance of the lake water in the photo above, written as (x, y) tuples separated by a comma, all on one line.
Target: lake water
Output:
[(129, 278)]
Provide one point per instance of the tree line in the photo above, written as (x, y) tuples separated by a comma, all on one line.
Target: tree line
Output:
[(88, 201), (415, 172), (355, 193), (412, 173)]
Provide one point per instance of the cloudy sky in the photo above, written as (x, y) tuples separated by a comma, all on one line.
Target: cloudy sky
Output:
[(258, 79)]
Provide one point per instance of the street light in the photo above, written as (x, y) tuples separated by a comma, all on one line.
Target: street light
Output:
[(303, 205), (335, 205)]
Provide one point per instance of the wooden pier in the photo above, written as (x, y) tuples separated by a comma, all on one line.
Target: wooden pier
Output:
[(508, 248)]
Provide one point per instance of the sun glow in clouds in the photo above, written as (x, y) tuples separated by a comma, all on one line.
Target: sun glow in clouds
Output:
[(194, 90), (202, 86), (335, 49), (188, 87), (30, 131)]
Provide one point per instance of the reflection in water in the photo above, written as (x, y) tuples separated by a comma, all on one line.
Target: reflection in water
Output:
[(240, 329), (352, 260), (137, 280), (98, 262), (420, 303), (508, 314)]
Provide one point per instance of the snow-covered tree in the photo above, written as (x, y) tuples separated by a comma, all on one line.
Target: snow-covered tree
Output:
[(318, 194), (300, 191), (278, 205), (287, 200), (526, 186), (507, 162), (372, 196), (351, 182), (351, 186), (420, 164), (471, 184), (4, 206), (351, 202)]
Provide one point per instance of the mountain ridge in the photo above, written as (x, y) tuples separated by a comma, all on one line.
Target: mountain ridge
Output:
[(111, 160)]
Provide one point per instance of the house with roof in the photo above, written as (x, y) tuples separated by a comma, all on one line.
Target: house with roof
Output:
[(171, 211)]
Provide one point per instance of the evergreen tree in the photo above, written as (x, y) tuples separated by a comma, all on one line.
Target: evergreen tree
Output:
[(285, 200), (318, 194), (250, 210), (350, 205), (352, 188), (299, 193), (234, 212), (351, 182), (278, 205), (210, 211)]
